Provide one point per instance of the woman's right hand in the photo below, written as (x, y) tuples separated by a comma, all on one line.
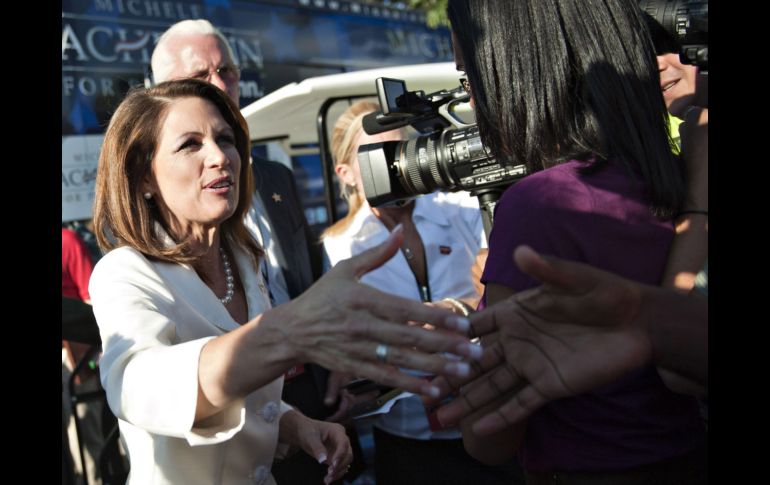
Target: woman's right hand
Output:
[(342, 325)]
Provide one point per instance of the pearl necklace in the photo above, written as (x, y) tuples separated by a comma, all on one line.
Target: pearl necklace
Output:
[(228, 278)]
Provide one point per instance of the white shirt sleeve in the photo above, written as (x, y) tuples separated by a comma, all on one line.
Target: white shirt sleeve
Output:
[(150, 377)]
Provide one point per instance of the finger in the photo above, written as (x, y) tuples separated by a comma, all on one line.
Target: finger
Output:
[(345, 402), (574, 292), (390, 376), (338, 446), (396, 335), (378, 372), (485, 322), (436, 364), (337, 471), (401, 310), (493, 359), (567, 276), (448, 384), (485, 389), (333, 385), (313, 445), (445, 388), (561, 279), (523, 403), (372, 258), (547, 270)]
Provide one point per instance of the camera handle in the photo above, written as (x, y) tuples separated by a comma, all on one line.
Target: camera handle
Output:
[(487, 201)]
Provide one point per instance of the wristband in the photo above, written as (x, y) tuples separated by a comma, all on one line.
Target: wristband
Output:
[(464, 308)]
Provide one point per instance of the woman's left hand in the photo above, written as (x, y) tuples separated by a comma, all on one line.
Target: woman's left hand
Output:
[(324, 441)]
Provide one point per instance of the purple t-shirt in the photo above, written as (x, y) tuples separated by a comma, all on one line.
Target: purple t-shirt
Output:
[(604, 220)]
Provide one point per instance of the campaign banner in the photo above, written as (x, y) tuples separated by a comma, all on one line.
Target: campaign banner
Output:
[(107, 46), (79, 158)]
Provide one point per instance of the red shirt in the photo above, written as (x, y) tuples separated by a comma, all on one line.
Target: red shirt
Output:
[(76, 266)]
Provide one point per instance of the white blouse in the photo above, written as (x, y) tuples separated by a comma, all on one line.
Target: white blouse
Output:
[(452, 233)]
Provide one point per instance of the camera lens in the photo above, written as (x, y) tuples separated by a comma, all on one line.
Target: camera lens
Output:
[(450, 160)]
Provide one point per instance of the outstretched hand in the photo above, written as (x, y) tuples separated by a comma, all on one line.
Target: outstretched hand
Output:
[(346, 326), (574, 333)]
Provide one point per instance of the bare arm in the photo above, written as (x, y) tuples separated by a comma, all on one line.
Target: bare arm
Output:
[(338, 324), (689, 249)]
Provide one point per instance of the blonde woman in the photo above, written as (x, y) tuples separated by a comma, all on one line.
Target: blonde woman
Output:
[(443, 233)]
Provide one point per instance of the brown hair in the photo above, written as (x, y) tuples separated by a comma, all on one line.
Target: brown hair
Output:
[(344, 136), (122, 217)]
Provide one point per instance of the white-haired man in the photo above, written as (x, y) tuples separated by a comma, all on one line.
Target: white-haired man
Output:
[(196, 49)]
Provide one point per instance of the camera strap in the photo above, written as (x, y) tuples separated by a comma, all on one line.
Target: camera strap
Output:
[(423, 290)]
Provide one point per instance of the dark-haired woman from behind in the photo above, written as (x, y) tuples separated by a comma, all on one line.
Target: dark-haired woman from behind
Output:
[(571, 88)]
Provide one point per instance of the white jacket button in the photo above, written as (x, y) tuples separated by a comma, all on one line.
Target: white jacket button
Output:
[(260, 474), (270, 411)]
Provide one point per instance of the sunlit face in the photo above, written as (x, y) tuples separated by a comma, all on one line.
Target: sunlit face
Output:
[(194, 174), (678, 82), (202, 57), (350, 173)]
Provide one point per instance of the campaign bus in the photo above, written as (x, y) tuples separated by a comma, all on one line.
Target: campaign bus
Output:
[(107, 45)]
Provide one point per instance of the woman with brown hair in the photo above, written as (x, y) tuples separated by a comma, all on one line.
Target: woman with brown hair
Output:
[(193, 354)]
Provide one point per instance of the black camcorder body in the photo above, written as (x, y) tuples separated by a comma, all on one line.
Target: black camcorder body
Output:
[(448, 155), (688, 22)]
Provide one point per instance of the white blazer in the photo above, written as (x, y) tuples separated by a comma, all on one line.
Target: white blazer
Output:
[(154, 319)]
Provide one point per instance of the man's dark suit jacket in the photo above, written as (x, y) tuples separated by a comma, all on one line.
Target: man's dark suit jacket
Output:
[(299, 256)]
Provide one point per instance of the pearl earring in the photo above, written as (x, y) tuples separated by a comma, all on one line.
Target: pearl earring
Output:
[(147, 195)]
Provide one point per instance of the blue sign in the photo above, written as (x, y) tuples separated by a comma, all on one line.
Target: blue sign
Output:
[(107, 44)]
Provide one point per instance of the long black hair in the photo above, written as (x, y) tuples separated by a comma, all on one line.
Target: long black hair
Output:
[(555, 80)]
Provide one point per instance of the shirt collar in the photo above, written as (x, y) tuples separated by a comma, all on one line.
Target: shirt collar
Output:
[(428, 207), (431, 208)]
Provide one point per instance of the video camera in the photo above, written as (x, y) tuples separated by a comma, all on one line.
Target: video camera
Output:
[(688, 22), (448, 155)]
